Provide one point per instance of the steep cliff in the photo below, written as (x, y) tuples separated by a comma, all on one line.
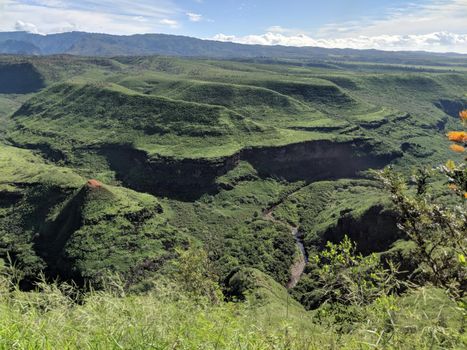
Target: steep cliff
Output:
[(20, 78)]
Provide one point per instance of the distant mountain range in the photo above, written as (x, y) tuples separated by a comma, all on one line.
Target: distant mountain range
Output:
[(91, 44)]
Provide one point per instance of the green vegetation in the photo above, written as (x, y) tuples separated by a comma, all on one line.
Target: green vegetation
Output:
[(110, 114), (339, 275), (166, 317), (31, 80), (181, 195), (50, 217)]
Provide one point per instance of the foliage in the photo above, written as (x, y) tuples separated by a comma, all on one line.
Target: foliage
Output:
[(328, 210), (339, 274), (457, 173), (232, 235), (194, 274), (151, 113), (438, 228), (459, 137), (51, 220), (167, 318)]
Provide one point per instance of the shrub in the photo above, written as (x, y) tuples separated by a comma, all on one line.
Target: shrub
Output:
[(437, 227), (339, 274), (194, 275)]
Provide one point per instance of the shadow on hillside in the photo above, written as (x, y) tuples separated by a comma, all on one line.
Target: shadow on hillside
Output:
[(20, 78), (189, 179)]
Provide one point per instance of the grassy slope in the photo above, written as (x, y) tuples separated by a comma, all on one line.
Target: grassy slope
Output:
[(205, 109), (93, 115), (50, 218), (22, 167), (85, 230), (347, 100), (237, 105), (424, 319), (278, 98)]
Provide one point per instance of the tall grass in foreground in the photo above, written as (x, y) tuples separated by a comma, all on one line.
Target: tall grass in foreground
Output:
[(167, 319)]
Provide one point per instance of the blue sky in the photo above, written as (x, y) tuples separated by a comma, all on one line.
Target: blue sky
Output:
[(435, 25), (245, 17)]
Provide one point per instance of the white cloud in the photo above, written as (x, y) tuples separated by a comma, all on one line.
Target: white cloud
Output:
[(280, 29), (26, 27), (169, 22), (415, 19), (439, 26), (269, 38), (140, 18), (194, 17), (107, 16), (437, 42)]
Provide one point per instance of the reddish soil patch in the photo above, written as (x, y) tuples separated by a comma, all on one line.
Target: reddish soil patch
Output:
[(94, 184)]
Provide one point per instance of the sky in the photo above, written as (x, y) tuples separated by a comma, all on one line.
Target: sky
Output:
[(431, 25)]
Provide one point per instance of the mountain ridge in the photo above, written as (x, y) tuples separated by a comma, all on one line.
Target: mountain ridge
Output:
[(106, 45)]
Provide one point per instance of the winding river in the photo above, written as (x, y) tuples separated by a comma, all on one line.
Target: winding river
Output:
[(299, 265)]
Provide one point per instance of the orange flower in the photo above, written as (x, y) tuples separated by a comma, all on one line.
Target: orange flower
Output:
[(463, 115), (465, 195), (457, 148), (457, 136)]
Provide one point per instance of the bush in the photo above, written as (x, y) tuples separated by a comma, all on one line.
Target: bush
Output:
[(341, 275), (438, 228), (439, 231), (195, 276)]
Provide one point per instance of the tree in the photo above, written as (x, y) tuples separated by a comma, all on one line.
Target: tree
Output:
[(195, 276), (339, 274), (437, 227)]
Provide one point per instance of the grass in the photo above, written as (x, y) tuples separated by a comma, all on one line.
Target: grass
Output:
[(231, 225), (8, 104), (22, 167), (177, 110), (97, 115), (262, 102), (265, 104), (318, 208), (204, 112), (49, 214), (120, 231), (166, 318)]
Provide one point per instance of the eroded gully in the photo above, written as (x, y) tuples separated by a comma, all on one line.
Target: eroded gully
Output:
[(298, 267)]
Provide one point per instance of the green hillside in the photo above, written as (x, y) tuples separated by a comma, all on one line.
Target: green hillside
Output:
[(176, 128), (154, 185), (56, 221)]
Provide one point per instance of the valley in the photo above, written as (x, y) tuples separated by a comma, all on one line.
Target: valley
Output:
[(220, 136), (116, 165)]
